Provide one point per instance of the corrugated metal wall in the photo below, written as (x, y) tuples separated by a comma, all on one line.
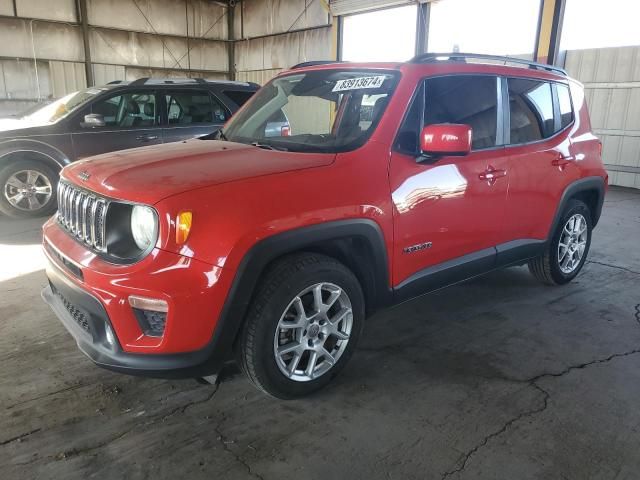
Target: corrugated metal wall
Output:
[(287, 31), (611, 77), (42, 54)]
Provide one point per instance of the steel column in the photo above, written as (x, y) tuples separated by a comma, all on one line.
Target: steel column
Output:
[(422, 28), (549, 31), (88, 67), (231, 35)]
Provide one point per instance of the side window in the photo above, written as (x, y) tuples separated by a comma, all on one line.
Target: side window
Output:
[(468, 99), (407, 139), (566, 111), (192, 107), (531, 110), (239, 97), (128, 110)]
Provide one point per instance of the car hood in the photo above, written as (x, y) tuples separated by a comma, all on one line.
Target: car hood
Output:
[(150, 174), (11, 124), (13, 127)]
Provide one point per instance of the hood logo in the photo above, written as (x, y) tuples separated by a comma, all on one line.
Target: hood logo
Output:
[(84, 175)]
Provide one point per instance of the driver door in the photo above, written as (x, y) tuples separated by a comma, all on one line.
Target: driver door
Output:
[(447, 218), (131, 119)]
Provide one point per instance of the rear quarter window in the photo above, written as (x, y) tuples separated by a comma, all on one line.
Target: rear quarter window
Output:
[(530, 110), (566, 109)]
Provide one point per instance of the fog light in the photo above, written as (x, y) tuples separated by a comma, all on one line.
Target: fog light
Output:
[(111, 339)]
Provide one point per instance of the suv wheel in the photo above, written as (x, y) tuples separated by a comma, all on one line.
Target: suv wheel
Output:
[(27, 189), (568, 249), (303, 325)]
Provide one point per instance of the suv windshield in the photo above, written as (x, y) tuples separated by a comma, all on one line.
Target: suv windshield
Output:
[(54, 111), (317, 111)]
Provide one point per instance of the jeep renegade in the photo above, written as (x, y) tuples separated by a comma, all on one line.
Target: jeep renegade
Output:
[(388, 181)]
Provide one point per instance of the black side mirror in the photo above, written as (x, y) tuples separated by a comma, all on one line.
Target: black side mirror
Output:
[(93, 120)]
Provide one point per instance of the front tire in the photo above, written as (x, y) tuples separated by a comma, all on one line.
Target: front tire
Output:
[(567, 251), (28, 189), (303, 325)]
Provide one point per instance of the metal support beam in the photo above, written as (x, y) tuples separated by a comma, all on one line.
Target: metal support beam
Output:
[(231, 46), (422, 28), (186, 24), (549, 31), (88, 67), (336, 38)]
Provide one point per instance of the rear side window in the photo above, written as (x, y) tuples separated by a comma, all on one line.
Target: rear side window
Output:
[(193, 107), (566, 110), (239, 97), (530, 109), (468, 99), (128, 110)]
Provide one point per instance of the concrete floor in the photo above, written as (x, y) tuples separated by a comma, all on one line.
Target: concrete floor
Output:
[(497, 378)]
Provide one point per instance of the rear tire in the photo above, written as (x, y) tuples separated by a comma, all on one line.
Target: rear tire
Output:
[(303, 325), (28, 189), (567, 251)]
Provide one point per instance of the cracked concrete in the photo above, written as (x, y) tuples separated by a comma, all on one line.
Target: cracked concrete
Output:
[(498, 378)]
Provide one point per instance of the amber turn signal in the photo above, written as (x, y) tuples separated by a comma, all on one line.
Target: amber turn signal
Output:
[(183, 227)]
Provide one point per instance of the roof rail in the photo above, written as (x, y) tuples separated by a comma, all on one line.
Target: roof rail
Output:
[(139, 81), (313, 63), (455, 56), (180, 81)]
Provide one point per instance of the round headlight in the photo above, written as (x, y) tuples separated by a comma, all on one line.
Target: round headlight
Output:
[(143, 226)]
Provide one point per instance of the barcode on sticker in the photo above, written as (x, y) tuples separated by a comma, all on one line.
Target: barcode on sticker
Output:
[(359, 83)]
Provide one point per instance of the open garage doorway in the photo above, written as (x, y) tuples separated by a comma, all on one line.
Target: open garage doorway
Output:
[(387, 35)]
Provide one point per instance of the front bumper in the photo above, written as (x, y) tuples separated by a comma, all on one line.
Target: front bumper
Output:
[(90, 298), (70, 303)]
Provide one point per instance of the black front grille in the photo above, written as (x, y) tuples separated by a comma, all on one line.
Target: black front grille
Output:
[(80, 317), (82, 214)]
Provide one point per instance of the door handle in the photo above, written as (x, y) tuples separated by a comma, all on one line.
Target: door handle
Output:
[(490, 175), (562, 161), (146, 138)]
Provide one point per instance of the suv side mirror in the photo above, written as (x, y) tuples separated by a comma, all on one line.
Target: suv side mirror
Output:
[(93, 120), (445, 139)]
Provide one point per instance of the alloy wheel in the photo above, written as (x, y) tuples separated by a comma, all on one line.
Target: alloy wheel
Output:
[(313, 332), (572, 244), (28, 190)]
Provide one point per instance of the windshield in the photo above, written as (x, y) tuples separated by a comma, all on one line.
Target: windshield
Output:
[(317, 111), (54, 111)]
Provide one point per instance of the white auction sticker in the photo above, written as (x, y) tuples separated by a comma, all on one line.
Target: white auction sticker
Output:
[(359, 83)]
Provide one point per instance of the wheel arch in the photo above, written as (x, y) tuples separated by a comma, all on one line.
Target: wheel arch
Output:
[(590, 190), (357, 243), (15, 150)]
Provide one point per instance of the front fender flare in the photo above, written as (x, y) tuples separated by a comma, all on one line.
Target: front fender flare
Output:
[(265, 251)]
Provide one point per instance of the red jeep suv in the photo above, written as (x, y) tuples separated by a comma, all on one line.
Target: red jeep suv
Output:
[(270, 242)]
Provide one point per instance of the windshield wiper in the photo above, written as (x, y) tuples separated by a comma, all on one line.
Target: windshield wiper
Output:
[(267, 146), (221, 136), (216, 135)]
